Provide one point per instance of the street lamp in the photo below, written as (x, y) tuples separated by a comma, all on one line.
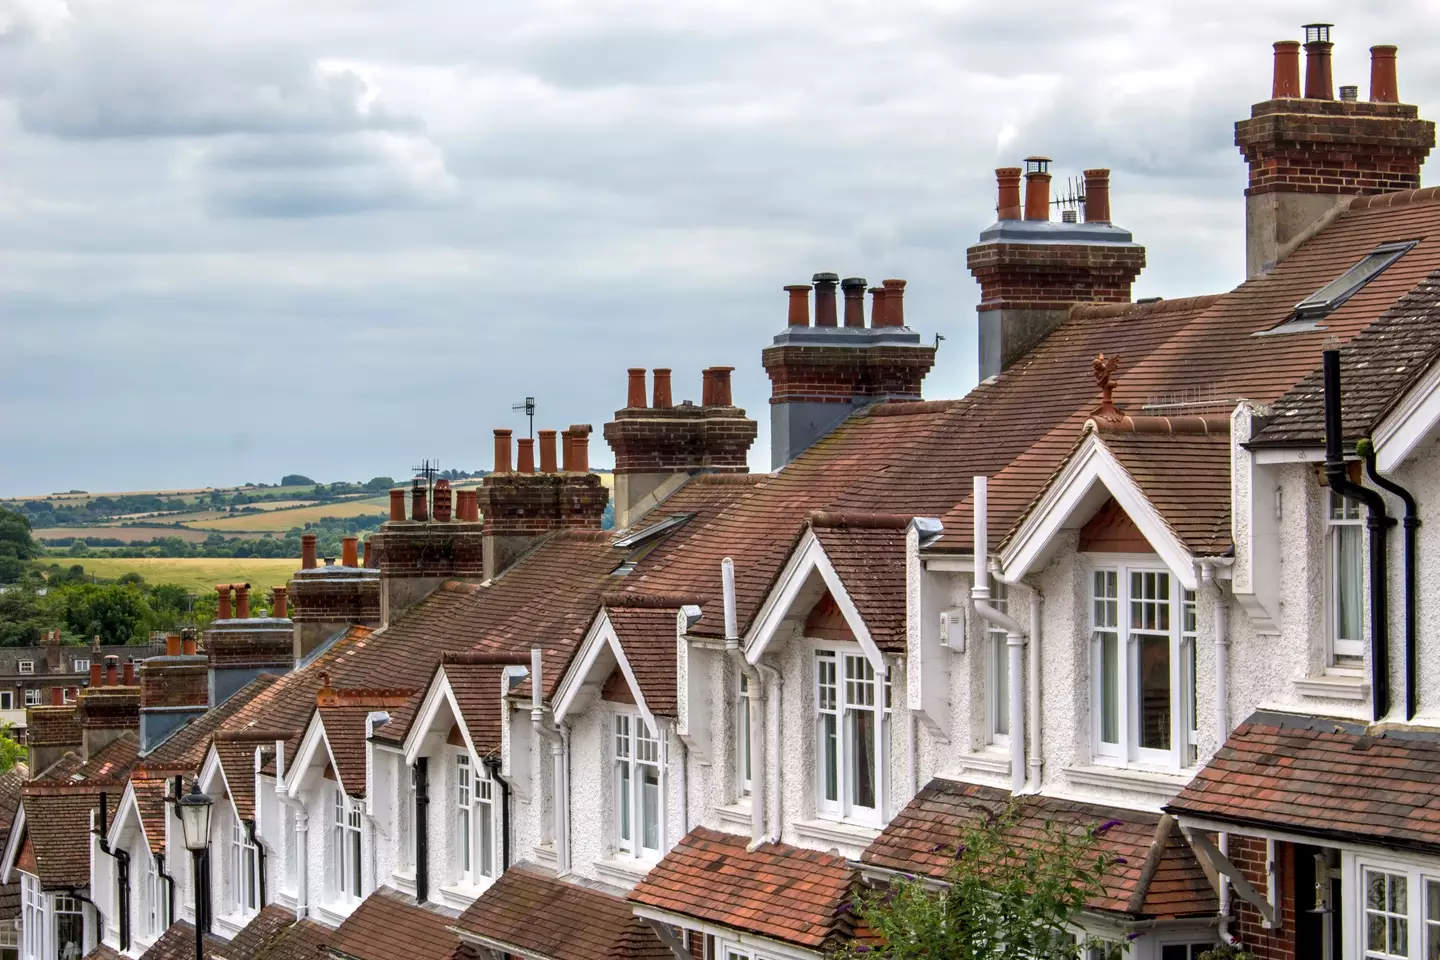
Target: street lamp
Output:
[(195, 818)]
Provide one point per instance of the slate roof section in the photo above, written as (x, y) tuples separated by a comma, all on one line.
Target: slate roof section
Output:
[(178, 943), (388, 924), (648, 636), (1323, 778), (579, 923), (1376, 369), (1159, 878), (184, 750), (868, 554), (345, 733), (102, 952), (477, 689), (776, 891), (264, 935), (57, 823), (1186, 478)]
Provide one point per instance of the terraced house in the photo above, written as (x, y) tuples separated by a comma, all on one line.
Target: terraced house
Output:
[(1164, 566)]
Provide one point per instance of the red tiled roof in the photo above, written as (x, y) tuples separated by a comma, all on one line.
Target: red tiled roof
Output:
[(102, 952), (345, 733), (57, 823), (387, 925), (1186, 478), (870, 562), (779, 891), (477, 689), (1155, 874), (648, 637), (305, 940), (178, 943), (150, 793), (579, 923), (263, 927), (237, 762), (274, 934), (1323, 778)]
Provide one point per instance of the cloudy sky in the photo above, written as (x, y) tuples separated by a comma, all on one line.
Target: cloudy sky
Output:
[(247, 238)]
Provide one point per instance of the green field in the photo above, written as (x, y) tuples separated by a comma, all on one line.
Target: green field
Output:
[(282, 520), (199, 575)]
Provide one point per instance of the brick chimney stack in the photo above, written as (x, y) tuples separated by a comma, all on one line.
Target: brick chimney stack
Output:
[(1032, 271), (107, 710), (1307, 154), (822, 374), (659, 448)]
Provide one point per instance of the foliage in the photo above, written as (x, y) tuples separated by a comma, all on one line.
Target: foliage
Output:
[(12, 751), (1000, 900), (16, 545), (124, 611), (1227, 951), (295, 480)]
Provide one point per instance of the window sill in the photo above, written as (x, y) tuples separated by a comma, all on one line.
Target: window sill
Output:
[(545, 855), (836, 831), (989, 761), (1155, 783), (735, 815), (461, 895), (622, 871), (229, 924), (404, 881), (1334, 686), (333, 914)]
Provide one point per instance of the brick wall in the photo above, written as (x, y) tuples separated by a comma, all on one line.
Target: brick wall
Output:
[(681, 439), (174, 682), (1248, 853), (52, 726), (335, 595), (106, 708), (1031, 276), (251, 646), (842, 374), (530, 504)]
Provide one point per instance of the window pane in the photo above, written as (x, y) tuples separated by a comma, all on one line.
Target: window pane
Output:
[(830, 757), (1000, 656), (624, 805), (1348, 587), (1109, 688), (487, 840), (1154, 692), (861, 729), (650, 810), (1432, 920)]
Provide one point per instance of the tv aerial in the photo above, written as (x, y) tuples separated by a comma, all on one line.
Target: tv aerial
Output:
[(529, 408)]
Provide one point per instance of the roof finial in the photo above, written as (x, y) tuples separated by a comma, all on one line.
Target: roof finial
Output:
[(1104, 369)]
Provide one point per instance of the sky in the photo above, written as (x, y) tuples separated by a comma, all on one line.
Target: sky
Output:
[(248, 238)]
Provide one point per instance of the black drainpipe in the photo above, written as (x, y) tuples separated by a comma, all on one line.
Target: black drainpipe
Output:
[(99, 917), (1412, 595), (422, 829), (259, 857), (122, 876), (492, 764), (169, 884), (1376, 523)]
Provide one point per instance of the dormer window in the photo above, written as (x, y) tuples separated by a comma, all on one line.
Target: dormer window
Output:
[(81, 665), (637, 788), (1327, 299), (474, 822), (345, 862), (244, 869), (28, 666), (851, 706)]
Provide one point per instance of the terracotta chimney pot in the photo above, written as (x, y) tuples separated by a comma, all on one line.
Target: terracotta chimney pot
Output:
[(366, 560), (566, 454), (825, 313), (1008, 181), (127, 673), (419, 502), (397, 503), (720, 385), (442, 509), (189, 645), (57, 696), (707, 387), (1037, 188), (349, 555), (1097, 196), (242, 601), (854, 290), (895, 303), (1318, 82), (502, 450), (222, 612), (307, 540), (1383, 86), (1287, 70), (877, 307), (112, 671), (635, 390), (172, 645), (279, 606), (95, 668), (526, 460), (547, 440), (580, 446), (799, 305)]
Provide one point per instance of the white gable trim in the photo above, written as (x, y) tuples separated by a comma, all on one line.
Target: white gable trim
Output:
[(1401, 431), (213, 768), (128, 807), (13, 845), (600, 637), (308, 754), (440, 692), (1092, 463), (808, 557)]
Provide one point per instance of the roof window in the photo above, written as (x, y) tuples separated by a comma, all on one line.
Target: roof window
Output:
[(1322, 302)]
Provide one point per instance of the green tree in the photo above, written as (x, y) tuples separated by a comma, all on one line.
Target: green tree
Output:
[(1001, 900), (16, 545), (23, 616), (295, 480), (12, 751), (119, 613)]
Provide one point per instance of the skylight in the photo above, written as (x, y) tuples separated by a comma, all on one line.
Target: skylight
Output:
[(1329, 297)]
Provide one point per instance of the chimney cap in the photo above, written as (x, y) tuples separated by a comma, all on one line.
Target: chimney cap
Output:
[(825, 278), (851, 283), (1037, 164), (1349, 91), (1317, 32)]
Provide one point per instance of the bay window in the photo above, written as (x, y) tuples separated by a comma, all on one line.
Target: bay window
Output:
[(244, 871), (151, 912), (405, 816), (32, 918), (1142, 667), (742, 734), (1344, 592), (345, 863), (638, 803), (474, 822), (69, 928), (997, 670), (850, 735)]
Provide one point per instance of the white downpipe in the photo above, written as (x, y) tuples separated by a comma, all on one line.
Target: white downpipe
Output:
[(1222, 714), (560, 802), (561, 750), (755, 704), (1037, 763), (1015, 635), (301, 850), (773, 689), (912, 760)]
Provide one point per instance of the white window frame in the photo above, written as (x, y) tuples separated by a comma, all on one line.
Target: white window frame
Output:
[(1112, 615), (63, 905), (405, 820), (997, 671), (1189, 698), (243, 872), (32, 697), (1343, 651), (836, 702), (68, 694), (80, 665), (347, 848), (743, 781), (151, 912), (32, 918), (635, 752), (26, 666), (474, 811), (1356, 914)]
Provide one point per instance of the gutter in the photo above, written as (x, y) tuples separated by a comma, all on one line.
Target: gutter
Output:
[(755, 704), (1376, 523), (170, 885), (1015, 634), (422, 829), (259, 857), (559, 770), (1366, 449)]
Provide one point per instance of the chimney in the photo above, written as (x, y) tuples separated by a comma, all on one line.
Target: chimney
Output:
[(636, 396), (127, 673), (854, 290), (1318, 84), (365, 562), (419, 503), (94, 642), (278, 597), (547, 439), (526, 460), (1097, 196), (580, 447), (95, 673), (172, 647), (567, 461), (349, 555), (443, 506), (819, 376), (112, 670), (1309, 155), (1032, 272), (662, 389), (825, 314), (189, 645), (720, 383), (1037, 188), (1008, 206), (707, 387), (222, 612), (52, 650), (307, 540), (502, 450), (1286, 84), (397, 503), (1383, 86), (242, 601)]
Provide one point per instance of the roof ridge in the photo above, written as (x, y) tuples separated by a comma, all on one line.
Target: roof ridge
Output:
[(906, 408), (834, 519), (1399, 198), (1190, 423), (650, 601), (1108, 311)]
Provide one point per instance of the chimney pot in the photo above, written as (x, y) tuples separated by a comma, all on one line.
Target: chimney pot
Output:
[(242, 601), (1349, 92), (707, 387), (526, 459), (127, 673), (1318, 82), (188, 643), (419, 503), (397, 503), (580, 446), (854, 290), (547, 446), (635, 395), (1286, 83), (222, 612), (1383, 86), (799, 305), (112, 671), (348, 553), (307, 540), (894, 303), (1008, 206), (443, 507), (877, 307), (825, 314), (662, 400), (567, 455), (1097, 196), (95, 668), (720, 385), (172, 644), (502, 450), (279, 606), (1037, 188)]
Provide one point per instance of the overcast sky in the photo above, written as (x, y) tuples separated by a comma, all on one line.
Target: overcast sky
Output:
[(245, 238)]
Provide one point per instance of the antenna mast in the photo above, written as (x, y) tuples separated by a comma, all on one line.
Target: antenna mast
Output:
[(529, 407)]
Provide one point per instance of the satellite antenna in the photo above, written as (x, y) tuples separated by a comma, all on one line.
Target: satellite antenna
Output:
[(1070, 199), (529, 407)]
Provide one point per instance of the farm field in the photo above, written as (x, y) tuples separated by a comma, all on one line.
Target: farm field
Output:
[(282, 520), (128, 534), (196, 574)]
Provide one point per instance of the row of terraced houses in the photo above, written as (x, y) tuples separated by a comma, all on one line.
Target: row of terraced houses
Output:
[(1165, 566)]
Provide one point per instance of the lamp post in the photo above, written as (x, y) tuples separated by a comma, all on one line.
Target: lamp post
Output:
[(195, 818)]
